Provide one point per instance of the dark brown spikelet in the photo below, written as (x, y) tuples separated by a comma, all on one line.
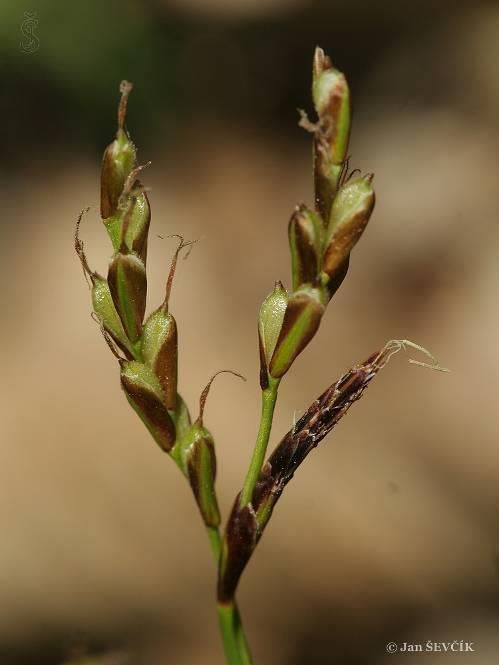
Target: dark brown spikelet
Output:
[(239, 542), (320, 418), (246, 525)]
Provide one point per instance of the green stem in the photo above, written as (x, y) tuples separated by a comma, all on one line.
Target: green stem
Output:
[(215, 542), (269, 398), (236, 647)]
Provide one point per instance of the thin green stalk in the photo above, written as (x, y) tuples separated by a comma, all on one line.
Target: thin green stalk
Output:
[(236, 647), (269, 398), (215, 542)]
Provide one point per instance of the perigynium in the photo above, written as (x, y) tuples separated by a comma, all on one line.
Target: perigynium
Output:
[(321, 240)]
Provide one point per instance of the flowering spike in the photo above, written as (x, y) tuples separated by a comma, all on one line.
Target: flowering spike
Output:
[(320, 242)]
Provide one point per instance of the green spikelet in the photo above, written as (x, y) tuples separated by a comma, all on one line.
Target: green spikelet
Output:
[(301, 321), (144, 393)]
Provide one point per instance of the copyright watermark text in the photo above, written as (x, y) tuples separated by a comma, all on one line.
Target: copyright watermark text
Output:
[(451, 647), (29, 25)]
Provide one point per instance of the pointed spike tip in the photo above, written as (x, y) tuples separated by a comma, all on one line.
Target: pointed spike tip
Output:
[(125, 89), (173, 265), (321, 62)]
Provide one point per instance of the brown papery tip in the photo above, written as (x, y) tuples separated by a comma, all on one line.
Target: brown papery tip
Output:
[(321, 61), (204, 394), (125, 89), (173, 266), (79, 248)]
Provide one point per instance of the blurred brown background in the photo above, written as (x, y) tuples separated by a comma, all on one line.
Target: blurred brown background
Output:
[(390, 531)]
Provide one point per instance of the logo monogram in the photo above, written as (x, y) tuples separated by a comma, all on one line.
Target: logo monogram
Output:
[(30, 43)]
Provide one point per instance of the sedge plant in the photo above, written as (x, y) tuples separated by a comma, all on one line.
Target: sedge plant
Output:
[(321, 239)]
